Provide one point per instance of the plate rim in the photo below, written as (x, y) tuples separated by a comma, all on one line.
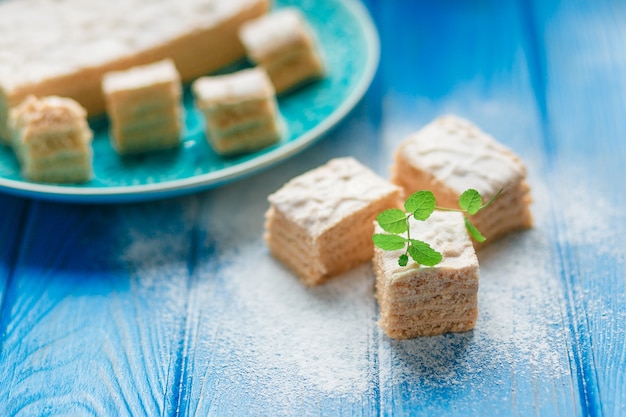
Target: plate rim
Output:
[(200, 182)]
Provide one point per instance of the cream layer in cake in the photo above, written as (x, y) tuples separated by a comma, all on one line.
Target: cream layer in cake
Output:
[(416, 300), (52, 140), (451, 155), (319, 224), (240, 110), (77, 41), (284, 44)]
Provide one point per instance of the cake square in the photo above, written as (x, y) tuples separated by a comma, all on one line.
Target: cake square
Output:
[(417, 300), (52, 140), (143, 104), (239, 109), (320, 223), (451, 155), (284, 44)]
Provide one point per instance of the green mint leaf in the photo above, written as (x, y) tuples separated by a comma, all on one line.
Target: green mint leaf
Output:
[(421, 204), (423, 254), (403, 260), (471, 201), (389, 242), (392, 221), (474, 232)]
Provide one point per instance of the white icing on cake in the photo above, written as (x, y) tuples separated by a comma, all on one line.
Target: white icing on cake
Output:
[(444, 232), (323, 197), (42, 39), (46, 113), (275, 31), (242, 85), (142, 76), (460, 155)]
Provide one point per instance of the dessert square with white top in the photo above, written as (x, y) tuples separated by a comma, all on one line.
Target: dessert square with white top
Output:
[(320, 223), (284, 44), (240, 110), (52, 140), (451, 155), (418, 300), (144, 107)]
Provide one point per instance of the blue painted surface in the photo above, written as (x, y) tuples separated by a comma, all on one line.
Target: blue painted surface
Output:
[(176, 308)]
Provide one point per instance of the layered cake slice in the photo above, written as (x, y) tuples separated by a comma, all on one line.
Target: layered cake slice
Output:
[(451, 155), (320, 223), (144, 107), (417, 300), (65, 47), (52, 140), (240, 111), (283, 43)]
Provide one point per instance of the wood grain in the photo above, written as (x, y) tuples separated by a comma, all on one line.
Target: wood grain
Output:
[(476, 64), (585, 98), (13, 211), (95, 310), (176, 307)]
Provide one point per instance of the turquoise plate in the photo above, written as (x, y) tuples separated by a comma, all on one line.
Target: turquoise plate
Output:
[(350, 47)]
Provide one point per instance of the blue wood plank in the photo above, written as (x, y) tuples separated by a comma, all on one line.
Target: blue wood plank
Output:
[(471, 59), (95, 310), (176, 307), (13, 212), (585, 104)]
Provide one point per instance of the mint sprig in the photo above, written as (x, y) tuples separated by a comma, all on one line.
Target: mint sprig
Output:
[(420, 205)]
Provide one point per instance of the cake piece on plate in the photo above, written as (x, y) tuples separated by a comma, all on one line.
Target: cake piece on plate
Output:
[(144, 105), (240, 111), (283, 43), (451, 155), (320, 223), (65, 47), (416, 300), (52, 140)]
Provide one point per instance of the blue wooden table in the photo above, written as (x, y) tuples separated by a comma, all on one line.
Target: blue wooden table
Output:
[(175, 307)]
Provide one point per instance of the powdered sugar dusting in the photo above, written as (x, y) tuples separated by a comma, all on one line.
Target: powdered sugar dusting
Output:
[(300, 341), (270, 339), (301, 338), (516, 333), (288, 342), (519, 331), (265, 336), (589, 215)]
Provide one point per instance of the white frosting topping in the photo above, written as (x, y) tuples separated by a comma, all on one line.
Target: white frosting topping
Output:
[(43, 39), (46, 111), (142, 76), (443, 231), (252, 83), (323, 197), (461, 156), (274, 32)]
